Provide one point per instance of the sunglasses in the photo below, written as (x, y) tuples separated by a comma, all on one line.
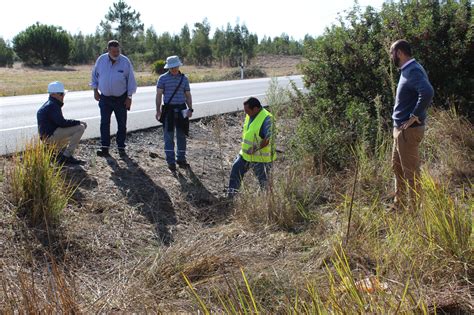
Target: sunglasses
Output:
[(61, 94)]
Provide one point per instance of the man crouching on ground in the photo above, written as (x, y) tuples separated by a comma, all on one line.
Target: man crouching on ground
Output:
[(56, 130)]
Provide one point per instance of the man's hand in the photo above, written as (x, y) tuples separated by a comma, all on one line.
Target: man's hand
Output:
[(158, 115), (84, 124), (189, 114), (410, 122), (251, 151), (128, 103), (96, 95)]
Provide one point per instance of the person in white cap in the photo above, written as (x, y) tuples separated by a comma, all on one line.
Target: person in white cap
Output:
[(174, 92), (54, 129)]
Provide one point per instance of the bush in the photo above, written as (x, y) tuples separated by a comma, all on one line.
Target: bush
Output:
[(43, 44), (249, 73), (352, 82), (6, 54), (158, 67), (322, 136), (38, 188)]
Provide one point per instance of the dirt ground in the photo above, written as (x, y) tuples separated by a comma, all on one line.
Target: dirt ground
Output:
[(130, 208)]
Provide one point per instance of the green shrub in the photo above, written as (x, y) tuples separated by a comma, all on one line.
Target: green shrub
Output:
[(249, 73), (43, 44), (322, 136), (158, 67), (6, 54)]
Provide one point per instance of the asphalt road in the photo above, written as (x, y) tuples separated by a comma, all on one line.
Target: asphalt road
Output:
[(18, 113)]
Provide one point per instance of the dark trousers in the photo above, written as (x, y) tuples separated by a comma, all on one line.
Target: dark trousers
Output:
[(116, 105), (169, 141), (240, 167)]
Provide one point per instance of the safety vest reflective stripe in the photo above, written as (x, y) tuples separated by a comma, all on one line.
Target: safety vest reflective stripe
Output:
[(249, 142)]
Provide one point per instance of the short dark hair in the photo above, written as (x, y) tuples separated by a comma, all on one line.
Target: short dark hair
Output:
[(403, 46), (113, 43), (253, 102)]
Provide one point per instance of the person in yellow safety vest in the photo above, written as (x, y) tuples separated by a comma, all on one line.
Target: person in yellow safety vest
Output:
[(257, 148)]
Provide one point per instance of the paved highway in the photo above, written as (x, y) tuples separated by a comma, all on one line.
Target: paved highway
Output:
[(18, 113)]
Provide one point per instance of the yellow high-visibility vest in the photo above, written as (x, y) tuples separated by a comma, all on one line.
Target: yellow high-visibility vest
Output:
[(251, 138)]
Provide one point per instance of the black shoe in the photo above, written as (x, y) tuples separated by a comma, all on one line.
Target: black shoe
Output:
[(183, 164), (104, 152), (172, 167), (122, 152)]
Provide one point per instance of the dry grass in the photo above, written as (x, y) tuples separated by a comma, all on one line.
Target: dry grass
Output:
[(449, 145), (21, 80), (135, 232), (37, 187)]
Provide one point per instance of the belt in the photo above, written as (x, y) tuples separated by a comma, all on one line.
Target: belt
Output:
[(115, 98)]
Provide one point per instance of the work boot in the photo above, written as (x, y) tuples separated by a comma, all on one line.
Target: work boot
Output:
[(172, 167), (183, 164), (103, 152), (122, 152)]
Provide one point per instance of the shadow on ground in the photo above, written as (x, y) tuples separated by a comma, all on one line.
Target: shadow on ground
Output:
[(144, 194)]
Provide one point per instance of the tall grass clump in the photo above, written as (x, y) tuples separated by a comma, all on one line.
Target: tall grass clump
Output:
[(289, 202), (278, 98), (51, 293), (449, 144), (447, 221), (38, 188)]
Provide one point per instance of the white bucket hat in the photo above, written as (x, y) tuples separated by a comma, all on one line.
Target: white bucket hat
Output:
[(56, 87), (172, 62)]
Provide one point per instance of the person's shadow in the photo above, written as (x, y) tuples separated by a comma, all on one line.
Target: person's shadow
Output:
[(210, 208), (142, 192), (79, 178)]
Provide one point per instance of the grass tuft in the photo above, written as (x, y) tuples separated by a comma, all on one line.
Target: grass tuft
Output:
[(38, 188)]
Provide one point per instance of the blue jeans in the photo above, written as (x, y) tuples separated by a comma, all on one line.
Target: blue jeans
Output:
[(116, 105), (169, 143), (240, 167)]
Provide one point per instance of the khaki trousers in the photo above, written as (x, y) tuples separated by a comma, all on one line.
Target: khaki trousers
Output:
[(69, 137), (406, 164)]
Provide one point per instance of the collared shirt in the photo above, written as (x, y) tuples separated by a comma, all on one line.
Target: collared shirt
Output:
[(113, 79), (407, 63), (168, 83)]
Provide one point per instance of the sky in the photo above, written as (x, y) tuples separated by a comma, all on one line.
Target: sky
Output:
[(263, 17)]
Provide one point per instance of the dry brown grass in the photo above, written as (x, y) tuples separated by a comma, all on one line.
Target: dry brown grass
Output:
[(134, 230), (449, 145), (21, 80)]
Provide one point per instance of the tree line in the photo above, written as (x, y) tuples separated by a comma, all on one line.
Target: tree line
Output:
[(42, 44)]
